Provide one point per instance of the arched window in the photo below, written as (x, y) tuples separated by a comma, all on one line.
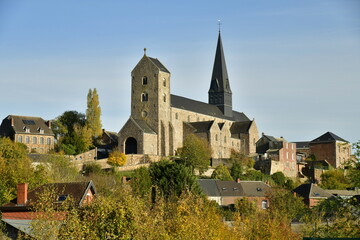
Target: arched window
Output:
[(164, 97), (144, 97), (144, 80), (164, 82)]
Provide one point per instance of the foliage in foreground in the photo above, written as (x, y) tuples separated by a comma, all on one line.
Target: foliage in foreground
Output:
[(126, 216)]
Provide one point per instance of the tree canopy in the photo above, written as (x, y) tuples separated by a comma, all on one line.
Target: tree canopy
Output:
[(93, 114), (196, 153)]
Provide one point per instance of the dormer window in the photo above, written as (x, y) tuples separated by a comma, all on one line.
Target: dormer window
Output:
[(41, 131), (144, 80), (27, 130)]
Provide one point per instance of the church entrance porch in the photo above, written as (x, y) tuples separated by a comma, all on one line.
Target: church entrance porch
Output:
[(130, 146)]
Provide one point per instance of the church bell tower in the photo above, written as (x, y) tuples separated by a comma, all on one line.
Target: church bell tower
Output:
[(220, 93)]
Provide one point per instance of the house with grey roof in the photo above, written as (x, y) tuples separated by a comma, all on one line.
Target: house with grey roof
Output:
[(226, 193), (34, 132), (160, 121), (311, 193)]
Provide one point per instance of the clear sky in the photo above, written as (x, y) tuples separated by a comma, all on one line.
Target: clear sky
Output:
[(294, 66)]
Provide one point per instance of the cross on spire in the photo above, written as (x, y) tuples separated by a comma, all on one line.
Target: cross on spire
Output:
[(219, 23)]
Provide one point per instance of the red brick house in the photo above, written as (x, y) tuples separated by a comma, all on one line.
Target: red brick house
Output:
[(311, 193), (276, 155), (18, 213)]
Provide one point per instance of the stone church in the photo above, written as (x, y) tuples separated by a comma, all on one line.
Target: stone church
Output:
[(160, 121)]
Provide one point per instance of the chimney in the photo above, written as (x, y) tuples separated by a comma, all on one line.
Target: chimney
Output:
[(124, 179), (22, 193), (238, 180), (48, 123), (12, 121)]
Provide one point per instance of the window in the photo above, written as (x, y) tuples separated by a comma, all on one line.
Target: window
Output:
[(144, 97), (144, 114), (164, 97), (292, 156), (225, 139), (27, 130), (48, 141), (41, 140), (41, 130), (20, 139), (164, 82), (216, 137), (176, 115), (144, 80), (34, 141), (287, 155), (264, 204), (27, 140)]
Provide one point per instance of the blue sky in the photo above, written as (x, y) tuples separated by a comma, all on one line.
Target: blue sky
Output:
[(294, 66)]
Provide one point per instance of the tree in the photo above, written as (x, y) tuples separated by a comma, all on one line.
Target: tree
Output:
[(93, 113), (141, 182), (279, 178), (221, 172), (15, 167), (334, 179), (241, 159), (73, 135), (173, 179), (116, 159), (196, 153)]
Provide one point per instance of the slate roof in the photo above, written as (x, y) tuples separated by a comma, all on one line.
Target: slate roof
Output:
[(302, 144), (34, 124), (77, 191), (209, 187), (201, 127), (218, 188), (328, 137), (143, 126), (219, 78), (230, 188), (112, 135), (310, 190), (159, 64), (204, 108), (240, 127)]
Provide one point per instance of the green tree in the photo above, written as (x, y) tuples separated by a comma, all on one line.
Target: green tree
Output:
[(279, 178), (93, 114), (15, 167), (236, 170), (173, 179), (141, 182), (72, 133), (221, 172), (196, 153), (334, 179)]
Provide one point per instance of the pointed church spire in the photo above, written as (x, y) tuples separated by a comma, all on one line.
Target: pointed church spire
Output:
[(220, 93)]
